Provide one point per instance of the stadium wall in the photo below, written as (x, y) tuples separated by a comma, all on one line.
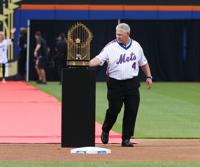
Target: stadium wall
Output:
[(174, 24)]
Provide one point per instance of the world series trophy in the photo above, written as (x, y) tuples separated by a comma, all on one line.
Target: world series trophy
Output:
[(7, 12), (79, 38), (78, 90)]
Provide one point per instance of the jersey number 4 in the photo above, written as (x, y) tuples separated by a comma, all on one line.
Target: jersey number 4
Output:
[(134, 65)]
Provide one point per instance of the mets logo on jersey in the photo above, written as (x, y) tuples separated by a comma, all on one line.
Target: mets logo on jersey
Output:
[(123, 58)]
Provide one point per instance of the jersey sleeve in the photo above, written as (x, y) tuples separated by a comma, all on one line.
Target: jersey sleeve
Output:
[(103, 55), (143, 59)]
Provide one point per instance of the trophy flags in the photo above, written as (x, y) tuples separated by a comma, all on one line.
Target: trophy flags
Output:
[(7, 11), (79, 38), (15, 1), (12, 6), (2, 21), (8, 7), (2, 18)]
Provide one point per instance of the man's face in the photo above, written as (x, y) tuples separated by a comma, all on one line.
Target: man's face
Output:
[(37, 37), (122, 37), (1, 37)]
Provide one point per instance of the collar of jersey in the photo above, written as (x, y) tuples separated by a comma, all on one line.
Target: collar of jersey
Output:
[(125, 47)]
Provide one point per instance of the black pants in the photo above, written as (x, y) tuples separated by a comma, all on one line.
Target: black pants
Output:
[(3, 70), (122, 92), (59, 64), (22, 64)]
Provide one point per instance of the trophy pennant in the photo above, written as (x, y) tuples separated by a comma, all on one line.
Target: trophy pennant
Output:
[(7, 11), (12, 6), (2, 17)]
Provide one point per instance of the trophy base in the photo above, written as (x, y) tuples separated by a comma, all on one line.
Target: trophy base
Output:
[(78, 107), (78, 63)]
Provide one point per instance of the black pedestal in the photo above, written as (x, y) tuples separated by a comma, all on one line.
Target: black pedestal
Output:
[(78, 107)]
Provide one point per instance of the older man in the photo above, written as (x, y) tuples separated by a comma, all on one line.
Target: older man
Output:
[(4, 43), (123, 56)]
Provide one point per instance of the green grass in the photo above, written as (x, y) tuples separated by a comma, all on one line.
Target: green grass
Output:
[(52, 88), (168, 110), (160, 164)]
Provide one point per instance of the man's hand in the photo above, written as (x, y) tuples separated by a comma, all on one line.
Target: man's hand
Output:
[(38, 46), (147, 71), (149, 83), (94, 62), (35, 54), (13, 30)]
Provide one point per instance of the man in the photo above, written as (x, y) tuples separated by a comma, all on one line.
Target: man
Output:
[(22, 54), (61, 54), (124, 56), (4, 43), (40, 54)]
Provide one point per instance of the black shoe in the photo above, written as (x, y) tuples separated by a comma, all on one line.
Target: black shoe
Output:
[(127, 143), (39, 81), (104, 137), (44, 83)]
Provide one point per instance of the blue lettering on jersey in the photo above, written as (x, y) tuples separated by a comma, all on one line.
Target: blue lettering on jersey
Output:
[(123, 58)]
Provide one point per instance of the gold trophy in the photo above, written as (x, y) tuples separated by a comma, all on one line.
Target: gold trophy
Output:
[(78, 44), (7, 20)]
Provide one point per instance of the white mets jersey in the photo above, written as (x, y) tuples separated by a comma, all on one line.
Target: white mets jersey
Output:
[(123, 61), (3, 50)]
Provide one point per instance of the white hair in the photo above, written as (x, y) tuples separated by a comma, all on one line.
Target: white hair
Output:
[(123, 27)]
